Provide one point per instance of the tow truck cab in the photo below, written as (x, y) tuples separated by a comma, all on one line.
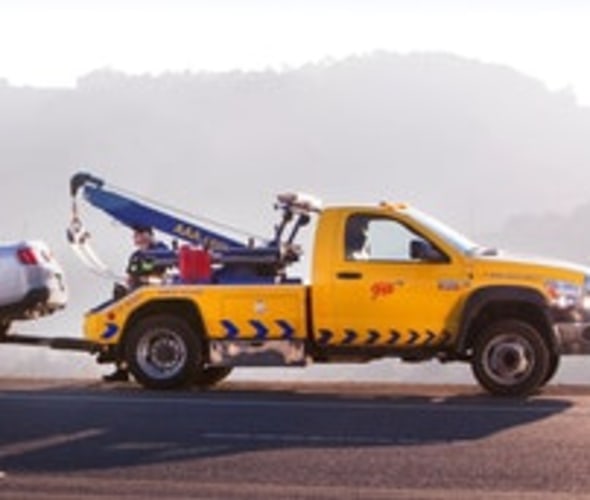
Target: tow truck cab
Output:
[(386, 280)]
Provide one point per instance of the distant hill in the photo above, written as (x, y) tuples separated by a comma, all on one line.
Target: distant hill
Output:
[(476, 144), (472, 141), (565, 236)]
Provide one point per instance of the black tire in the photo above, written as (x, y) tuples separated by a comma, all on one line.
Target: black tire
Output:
[(163, 352), (208, 377), (510, 358), (4, 327), (554, 359)]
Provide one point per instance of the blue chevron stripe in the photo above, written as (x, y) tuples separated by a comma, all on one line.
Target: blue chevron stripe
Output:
[(413, 337), (231, 330), (395, 335), (373, 337), (110, 331), (430, 337), (350, 336), (260, 329), (287, 329), (325, 336)]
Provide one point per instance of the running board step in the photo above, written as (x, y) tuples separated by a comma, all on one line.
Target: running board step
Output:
[(257, 353)]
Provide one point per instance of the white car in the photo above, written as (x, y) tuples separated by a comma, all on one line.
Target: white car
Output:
[(31, 282)]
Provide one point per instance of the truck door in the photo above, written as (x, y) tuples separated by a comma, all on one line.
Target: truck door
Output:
[(392, 287)]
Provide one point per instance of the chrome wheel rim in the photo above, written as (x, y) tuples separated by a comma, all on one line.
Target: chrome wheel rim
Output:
[(161, 353), (508, 359)]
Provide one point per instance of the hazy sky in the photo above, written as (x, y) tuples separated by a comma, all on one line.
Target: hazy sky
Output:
[(52, 43)]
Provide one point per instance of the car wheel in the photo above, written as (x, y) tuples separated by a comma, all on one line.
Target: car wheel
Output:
[(510, 358), (163, 352), (208, 377)]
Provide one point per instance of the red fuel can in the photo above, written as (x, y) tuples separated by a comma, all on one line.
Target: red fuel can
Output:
[(194, 264)]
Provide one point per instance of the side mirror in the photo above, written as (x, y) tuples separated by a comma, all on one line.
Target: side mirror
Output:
[(422, 250)]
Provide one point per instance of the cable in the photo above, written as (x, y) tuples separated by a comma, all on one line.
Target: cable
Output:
[(79, 240)]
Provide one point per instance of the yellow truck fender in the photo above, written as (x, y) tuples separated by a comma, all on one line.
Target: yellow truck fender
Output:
[(504, 302)]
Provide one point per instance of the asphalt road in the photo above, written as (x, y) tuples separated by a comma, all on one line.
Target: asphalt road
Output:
[(87, 440)]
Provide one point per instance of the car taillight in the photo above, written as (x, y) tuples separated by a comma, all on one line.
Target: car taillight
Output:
[(27, 256)]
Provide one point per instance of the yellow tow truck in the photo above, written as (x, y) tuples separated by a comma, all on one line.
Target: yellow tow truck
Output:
[(386, 281)]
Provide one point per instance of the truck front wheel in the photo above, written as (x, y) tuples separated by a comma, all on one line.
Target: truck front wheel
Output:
[(510, 358), (163, 352)]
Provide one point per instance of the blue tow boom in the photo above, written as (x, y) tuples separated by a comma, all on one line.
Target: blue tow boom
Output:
[(133, 213), (236, 261)]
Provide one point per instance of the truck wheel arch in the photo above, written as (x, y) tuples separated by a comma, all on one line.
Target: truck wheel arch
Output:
[(496, 302), (183, 308)]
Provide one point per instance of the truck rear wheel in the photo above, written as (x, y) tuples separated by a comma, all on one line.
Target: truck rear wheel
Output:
[(554, 359), (4, 327), (163, 352), (208, 377), (511, 358)]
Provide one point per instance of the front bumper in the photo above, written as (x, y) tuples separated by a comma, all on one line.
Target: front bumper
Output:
[(573, 337), (572, 329), (570, 314)]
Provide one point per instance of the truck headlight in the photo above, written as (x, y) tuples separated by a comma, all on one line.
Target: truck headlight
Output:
[(567, 295)]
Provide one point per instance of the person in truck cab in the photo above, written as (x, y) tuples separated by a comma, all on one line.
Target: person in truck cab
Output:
[(141, 267), (356, 236)]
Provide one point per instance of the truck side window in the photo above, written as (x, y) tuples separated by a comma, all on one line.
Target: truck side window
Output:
[(356, 239), (381, 239)]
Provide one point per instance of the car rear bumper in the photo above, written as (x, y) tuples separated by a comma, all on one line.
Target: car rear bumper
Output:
[(38, 301)]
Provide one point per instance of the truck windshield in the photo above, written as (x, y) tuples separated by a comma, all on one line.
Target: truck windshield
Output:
[(448, 234)]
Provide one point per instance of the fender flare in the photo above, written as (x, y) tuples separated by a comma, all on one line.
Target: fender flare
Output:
[(483, 297), (183, 307)]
